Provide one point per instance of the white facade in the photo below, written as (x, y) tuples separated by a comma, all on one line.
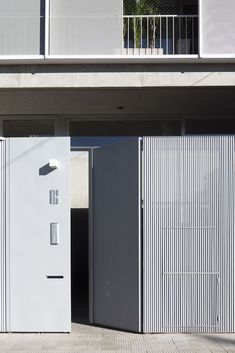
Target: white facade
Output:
[(87, 69), (52, 31)]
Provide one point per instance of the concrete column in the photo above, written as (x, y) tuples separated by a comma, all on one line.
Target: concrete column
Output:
[(1, 127), (60, 127), (182, 127)]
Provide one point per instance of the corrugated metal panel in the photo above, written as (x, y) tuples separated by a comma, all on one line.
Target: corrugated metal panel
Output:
[(2, 237), (88, 27), (188, 245), (21, 27), (217, 27)]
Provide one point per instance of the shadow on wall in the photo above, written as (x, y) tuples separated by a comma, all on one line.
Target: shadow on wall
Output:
[(42, 27)]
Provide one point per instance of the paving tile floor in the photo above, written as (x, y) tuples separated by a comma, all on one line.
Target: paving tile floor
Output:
[(85, 338)]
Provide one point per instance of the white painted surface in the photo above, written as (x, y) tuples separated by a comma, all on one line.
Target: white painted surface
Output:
[(217, 28), (36, 302)]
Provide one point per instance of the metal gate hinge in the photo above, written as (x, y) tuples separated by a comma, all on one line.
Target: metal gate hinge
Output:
[(218, 280), (218, 318)]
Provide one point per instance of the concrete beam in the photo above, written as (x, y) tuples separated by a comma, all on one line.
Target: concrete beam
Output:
[(116, 76)]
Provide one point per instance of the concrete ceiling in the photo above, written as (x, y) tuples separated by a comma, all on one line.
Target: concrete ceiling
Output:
[(160, 102)]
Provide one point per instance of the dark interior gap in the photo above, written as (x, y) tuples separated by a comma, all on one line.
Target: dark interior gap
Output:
[(79, 265)]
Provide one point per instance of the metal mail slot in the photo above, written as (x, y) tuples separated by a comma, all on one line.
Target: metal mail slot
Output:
[(54, 233)]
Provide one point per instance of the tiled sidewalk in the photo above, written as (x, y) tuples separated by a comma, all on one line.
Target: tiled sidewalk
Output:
[(93, 339)]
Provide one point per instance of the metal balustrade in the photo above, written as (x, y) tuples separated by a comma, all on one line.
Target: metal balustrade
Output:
[(160, 35), (78, 35)]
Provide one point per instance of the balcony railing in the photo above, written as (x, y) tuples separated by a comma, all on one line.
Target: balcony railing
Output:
[(22, 35), (98, 35), (161, 35)]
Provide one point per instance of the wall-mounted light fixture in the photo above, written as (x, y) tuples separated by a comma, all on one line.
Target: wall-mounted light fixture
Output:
[(53, 163)]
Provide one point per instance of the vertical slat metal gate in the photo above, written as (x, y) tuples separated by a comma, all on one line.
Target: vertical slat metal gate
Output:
[(188, 234), (2, 236)]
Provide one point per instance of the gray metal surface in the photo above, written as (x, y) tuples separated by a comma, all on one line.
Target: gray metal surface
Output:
[(88, 27), (217, 27), (2, 236), (188, 239), (38, 272), (20, 27), (116, 236)]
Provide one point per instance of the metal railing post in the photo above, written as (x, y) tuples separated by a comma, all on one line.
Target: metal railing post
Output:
[(145, 27)]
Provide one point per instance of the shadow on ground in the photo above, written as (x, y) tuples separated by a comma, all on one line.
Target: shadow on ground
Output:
[(220, 339)]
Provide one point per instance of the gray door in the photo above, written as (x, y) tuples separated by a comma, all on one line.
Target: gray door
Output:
[(115, 244), (38, 264)]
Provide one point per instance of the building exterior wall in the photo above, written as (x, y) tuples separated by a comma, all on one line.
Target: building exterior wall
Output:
[(86, 76), (49, 29)]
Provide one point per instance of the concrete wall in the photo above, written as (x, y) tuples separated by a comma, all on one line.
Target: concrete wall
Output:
[(79, 164), (117, 76)]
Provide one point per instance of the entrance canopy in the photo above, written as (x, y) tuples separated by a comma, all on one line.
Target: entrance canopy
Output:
[(105, 112)]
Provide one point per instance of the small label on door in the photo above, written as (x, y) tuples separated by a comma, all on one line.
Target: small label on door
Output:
[(54, 197)]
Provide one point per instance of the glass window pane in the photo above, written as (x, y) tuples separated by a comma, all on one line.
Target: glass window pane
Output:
[(210, 127), (28, 128), (125, 128)]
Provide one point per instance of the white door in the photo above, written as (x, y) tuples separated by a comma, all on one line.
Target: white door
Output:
[(38, 235)]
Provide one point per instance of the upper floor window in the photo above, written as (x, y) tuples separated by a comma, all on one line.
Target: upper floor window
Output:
[(28, 128)]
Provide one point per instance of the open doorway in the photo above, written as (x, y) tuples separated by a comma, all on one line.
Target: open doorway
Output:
[(92, 136), (79, 162)]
